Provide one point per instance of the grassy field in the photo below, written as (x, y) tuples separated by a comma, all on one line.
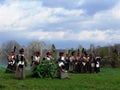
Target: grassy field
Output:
[(107, 79)]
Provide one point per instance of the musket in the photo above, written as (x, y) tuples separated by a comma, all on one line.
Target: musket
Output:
[(14, 49)]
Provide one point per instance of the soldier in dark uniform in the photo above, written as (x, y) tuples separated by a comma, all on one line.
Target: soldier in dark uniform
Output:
[(78, 64), (72, 62), (21, 64), (91, 64), (67, 60), (11, 63), (62, 72), (85, 63), (97, 64), (61, 57), (36, 59), (49, 56)]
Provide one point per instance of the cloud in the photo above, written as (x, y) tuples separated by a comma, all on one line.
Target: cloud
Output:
[(80, 20), (103, 20), (96, 36), (17, 16), (71, 4), (93, 6)]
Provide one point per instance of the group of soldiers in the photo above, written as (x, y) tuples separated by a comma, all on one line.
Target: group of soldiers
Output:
[(17, 64), (81, 63), (74, 63)]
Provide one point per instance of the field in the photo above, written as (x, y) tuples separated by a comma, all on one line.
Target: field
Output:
[(107, 79)]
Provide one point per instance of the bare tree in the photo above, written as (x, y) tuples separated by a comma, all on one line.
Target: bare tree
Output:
[(7, 47), (92, 50), (35, 46), (80, 49)]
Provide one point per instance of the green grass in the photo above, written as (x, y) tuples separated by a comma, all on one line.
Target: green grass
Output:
[(107, 79)]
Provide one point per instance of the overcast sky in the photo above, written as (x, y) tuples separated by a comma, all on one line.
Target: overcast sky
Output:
[(65, 23)]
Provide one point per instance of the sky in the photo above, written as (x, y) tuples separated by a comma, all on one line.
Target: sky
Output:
[(64, 23)]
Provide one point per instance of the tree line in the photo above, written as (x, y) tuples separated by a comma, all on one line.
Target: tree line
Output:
[(110, 55)]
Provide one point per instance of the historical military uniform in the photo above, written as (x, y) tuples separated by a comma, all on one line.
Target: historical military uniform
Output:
[(67, 60), (85, 63), (49, 56), (11, 63), (62, 72), (21, 64), (36, 59), (72, 62), (61, 57), (97, 64), (92, 64), (78, 64)]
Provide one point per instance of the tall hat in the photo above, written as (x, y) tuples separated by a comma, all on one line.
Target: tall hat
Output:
[(61, 53), (37, 53), (48, 54), (21, 50), (85, 53), (73, 53)]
